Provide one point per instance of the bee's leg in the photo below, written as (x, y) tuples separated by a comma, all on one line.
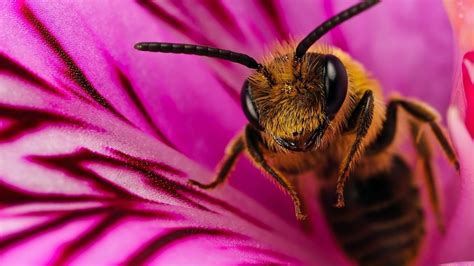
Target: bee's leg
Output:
[(306, 225), (363, 115), (424, 114), (424, 151), (234, 149), (252, 144)]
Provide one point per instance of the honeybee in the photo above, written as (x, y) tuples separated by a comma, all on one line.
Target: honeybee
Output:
[(314, 108)]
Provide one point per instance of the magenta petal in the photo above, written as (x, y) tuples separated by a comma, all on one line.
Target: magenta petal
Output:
[(84, 178), (86, 123), (404, 49), (461, 13), (457, 244), (460, 263), (78, 184), (468, 83)]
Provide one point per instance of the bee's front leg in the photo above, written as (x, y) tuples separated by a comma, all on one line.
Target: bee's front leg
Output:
[(234, 149), (362, 116), (253, 148)]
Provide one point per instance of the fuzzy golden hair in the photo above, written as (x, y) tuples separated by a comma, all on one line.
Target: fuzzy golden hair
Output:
[(291, 105)]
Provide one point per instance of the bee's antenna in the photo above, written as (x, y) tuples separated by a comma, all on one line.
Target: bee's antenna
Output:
[(329, 24), (178, 48)]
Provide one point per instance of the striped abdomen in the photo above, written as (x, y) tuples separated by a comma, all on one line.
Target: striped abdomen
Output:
[(382, 223)]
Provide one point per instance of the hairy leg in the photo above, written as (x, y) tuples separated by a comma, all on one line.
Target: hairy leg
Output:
[(362, 117), (423, 149), (253, 148), (424, 114), (234, 149)]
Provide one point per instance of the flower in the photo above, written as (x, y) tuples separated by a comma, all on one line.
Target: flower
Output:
[(96, 143), (461, 14)]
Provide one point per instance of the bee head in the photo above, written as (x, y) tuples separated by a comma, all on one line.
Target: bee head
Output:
[(294, 95), (294, 99)]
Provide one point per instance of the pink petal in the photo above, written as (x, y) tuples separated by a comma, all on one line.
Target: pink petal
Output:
[(163, 102), (113, 96), (78, 184), (461, 14), (405, 45), (82, 182), (457, 245), (463, 263), (468, 83)]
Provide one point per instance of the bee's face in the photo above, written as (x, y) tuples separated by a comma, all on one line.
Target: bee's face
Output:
[(294, 100)]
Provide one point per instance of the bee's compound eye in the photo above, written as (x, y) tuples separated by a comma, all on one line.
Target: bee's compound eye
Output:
[(248, 105), (336, 84)]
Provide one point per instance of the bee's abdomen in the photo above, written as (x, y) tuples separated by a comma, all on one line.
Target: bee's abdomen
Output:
[(382, 222)]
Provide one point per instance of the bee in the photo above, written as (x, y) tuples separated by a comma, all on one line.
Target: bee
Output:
[(314, 108)]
